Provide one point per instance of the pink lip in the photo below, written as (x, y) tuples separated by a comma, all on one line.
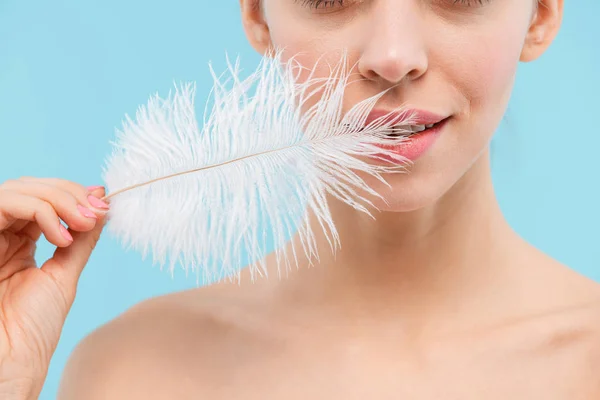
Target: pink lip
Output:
[(417, 117), (415, 146)]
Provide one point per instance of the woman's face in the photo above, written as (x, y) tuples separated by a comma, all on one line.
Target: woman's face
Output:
[(454, 58)]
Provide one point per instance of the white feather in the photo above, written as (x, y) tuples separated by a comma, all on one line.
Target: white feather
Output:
[(211, 197)]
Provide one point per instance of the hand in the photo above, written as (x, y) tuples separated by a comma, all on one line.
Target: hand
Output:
[(34, 302)]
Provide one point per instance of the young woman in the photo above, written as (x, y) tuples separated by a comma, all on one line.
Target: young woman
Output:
[(438, 298)]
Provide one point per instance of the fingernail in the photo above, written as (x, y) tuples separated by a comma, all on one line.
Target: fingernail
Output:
[(65, 233), (86, 212), (96, 202), (92, 188)]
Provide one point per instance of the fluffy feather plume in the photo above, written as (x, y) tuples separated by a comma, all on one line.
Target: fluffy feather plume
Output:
[(222, 195)]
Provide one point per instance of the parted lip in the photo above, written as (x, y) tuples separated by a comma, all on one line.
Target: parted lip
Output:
[(411, 116)]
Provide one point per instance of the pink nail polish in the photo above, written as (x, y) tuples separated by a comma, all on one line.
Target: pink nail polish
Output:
[(92, 188), (96, 202), (65, 233), (86, 212)]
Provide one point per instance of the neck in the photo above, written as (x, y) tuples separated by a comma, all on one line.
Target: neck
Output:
[(433, 260), (460, 231)]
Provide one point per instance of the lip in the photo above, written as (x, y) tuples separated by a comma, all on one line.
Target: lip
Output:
[(415, 116), (416, 145)]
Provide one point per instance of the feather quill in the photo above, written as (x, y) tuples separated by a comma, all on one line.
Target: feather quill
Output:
[(220, 195)]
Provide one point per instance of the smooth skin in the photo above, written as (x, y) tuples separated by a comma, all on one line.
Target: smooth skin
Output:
[(438, 298)]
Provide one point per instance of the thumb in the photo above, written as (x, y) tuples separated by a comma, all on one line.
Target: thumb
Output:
[(67, 263)]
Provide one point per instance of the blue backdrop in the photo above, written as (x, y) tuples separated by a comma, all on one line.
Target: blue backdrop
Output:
[(71, 69)]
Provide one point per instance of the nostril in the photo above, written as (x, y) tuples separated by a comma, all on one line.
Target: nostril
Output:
[(370, 74), (395, 63), (392, 71)]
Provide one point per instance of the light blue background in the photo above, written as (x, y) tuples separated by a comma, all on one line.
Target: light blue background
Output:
[(71, 69)]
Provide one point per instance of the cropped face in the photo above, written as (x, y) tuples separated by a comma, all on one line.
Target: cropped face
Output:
[(452, 61)]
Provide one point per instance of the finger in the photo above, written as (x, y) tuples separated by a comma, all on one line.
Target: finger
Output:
[(80, 192), (66, 205), (30, 229), (17, 226), (25, 260), (67, 263), (15, 206)]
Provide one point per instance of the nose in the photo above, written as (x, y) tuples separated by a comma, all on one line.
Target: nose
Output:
[(394, 46)]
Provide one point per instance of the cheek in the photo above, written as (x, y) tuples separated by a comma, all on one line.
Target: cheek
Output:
[(291, 33), (307, 41), (492, 72), (312, 53), (484, 71)]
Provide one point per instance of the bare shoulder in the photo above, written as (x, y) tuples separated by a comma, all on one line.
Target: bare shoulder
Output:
[(586, 336), (568, 337), (166, 346), (575, 300)]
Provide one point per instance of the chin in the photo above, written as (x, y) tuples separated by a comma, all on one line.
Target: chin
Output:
[(427, 183), (407, 192)]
